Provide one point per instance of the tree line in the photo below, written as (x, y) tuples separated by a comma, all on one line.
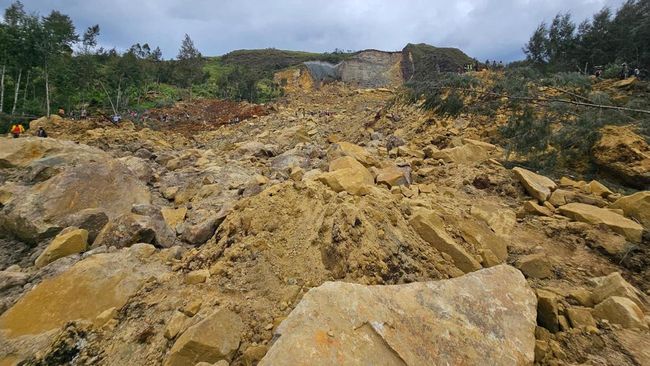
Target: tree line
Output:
[(606, 41), (46, 64)]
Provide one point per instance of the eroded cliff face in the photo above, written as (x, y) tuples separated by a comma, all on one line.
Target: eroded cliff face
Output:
[(373, 69), (367, 69), (376, 69)]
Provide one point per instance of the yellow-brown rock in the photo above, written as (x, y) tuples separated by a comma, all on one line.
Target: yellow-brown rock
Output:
[(174, 217), (636, 206), (622, 311), (347, 174), (391, 176), (71, 242), (429, 225), (215, 338), (536, 185), (84, 291), (597, 216)]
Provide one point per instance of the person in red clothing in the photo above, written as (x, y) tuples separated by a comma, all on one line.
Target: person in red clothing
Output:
[(16, 130)]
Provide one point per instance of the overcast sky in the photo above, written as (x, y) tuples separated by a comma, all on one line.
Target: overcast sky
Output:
[(485, 29)]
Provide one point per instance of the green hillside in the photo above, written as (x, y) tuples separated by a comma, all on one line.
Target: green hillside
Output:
[(269, 60), (429, 60)]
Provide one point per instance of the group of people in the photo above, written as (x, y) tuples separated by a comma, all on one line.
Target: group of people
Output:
[(81, 114), (17, 129), (627, 72)]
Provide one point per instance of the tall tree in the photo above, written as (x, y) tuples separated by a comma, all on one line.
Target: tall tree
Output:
[(535, 50), (4, 42), (58, 37), (86, 60), (189, 67), (14, 45), (560, 45)]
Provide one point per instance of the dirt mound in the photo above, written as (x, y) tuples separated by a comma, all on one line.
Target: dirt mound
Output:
[(204, 114)]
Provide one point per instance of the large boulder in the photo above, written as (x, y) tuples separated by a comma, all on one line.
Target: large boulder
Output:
[(615, 285), (636, 206), (431, 228), (201, 232), (131, 228), (494, 248), (536, 185), (600, 216), (622, 311), (83, 291), (9, 279), (535, 266), (341, 149), (347, 174), (141, 168), (484, 318), (91, 219), (71, 242), (257, 149), (499, 218), (43, 209), (392, 176), (46, 122), (548, 310), (215, 338), (39, 154), (623, 155)]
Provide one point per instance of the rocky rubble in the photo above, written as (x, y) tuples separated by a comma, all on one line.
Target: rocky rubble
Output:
[(153, 247)]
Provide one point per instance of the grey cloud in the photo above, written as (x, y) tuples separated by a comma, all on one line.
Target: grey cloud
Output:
[(482, 28)]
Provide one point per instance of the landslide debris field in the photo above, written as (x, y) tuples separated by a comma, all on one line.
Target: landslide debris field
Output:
[(333, 226)]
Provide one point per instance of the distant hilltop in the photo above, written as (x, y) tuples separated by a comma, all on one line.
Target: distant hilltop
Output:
[(367, 68)]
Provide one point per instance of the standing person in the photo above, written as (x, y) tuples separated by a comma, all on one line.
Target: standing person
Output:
[(16, 130), (625, 71), (599, 72), (41, 132)]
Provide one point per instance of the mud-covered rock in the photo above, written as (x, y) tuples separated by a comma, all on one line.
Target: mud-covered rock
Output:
[(600, 216), (128, 229), (621, 310), (624, 156), (636, 206), (538, 186), (215, 338), (107, 185), (431, 229), (347, 174)]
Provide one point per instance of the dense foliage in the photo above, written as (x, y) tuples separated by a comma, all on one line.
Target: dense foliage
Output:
[(248, 74), (607, 40), (552, 120), (46, 65), (427, 61)]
